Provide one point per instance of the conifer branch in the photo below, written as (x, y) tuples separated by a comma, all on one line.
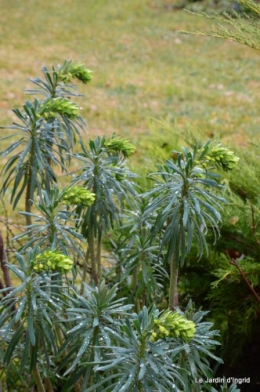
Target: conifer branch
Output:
[(234, 262), (254, 224), (244, 30)]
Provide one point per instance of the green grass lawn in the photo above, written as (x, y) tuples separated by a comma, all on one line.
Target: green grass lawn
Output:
[(150, 83)]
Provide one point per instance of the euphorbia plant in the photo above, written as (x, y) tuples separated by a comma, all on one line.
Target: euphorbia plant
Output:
[(54, 223), (39, 308), (139, 267), (187, 204), (103, 173), (137, 361), (46, 130), (88, 340)]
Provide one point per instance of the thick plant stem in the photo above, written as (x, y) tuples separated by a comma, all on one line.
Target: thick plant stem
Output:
[(48, 385), (99, 266), (141, 356), (3, 263), (173, 293), (92, 255), (5, 270), (92, 358), (29, 190), (37, 378), (59, 335), (28, 201), (135, 284), (77, 387), (84, 271), (50, 148)]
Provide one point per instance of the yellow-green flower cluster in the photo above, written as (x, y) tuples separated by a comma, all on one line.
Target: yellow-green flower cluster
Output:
[(120, 145), (54, 261), (61, 106), (221, 157), (174, 325), (75, 71), (77, 195)]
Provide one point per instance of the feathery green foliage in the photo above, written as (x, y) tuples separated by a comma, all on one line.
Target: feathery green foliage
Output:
[(243, 29)]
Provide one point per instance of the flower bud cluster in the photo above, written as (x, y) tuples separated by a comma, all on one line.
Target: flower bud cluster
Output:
[(77, 71), (174, 325), (77, 195), (120, 145), (54, 106), (221, 157), (53, 261)]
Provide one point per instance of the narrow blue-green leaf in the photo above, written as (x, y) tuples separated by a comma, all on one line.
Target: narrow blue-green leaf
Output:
[(24, 154), (189, 235), (195, 202), (82, 325), (11, 148), (26, 353), (185, 211), (46, 332), (7, 310), (39, 155), (20, 309), (142, 370), (33, 355), (156, 348), (10, 166), (104, 380), (21, 191), (17, 289), (30, 325), (183, 247), (209, 353), (84, 346), (12, 344), (111, 365), (206, 181), (212, 210), (131, 380), (174, 168), (20, 174)]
